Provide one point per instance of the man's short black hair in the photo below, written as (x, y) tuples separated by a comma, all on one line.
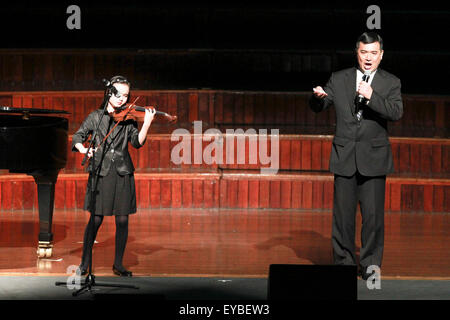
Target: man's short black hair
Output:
[(369, 37)]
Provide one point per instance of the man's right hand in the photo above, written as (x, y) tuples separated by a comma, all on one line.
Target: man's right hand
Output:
[(319, 92)]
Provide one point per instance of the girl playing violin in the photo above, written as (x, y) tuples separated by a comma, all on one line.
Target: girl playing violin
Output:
[(115, 192)]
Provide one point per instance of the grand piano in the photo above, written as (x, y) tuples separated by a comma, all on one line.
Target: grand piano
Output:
[(34, 141)]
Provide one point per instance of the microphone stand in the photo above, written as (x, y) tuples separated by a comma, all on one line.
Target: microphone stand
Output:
[(89, 282)]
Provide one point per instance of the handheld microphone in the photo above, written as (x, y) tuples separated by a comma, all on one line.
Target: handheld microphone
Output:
[(366, 79)]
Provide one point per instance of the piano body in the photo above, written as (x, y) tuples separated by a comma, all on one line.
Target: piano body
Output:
[(34, 141)]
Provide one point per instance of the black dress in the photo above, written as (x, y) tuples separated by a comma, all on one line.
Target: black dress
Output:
[(115, 192)]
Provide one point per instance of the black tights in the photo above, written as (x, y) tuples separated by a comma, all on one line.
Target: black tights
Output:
[(91, 233)]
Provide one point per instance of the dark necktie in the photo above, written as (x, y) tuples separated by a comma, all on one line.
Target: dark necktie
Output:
[(358, 106)]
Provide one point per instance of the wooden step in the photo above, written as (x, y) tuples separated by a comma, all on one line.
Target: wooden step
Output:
[(296, 152), (424, 116), (244, 189), (305, 190)]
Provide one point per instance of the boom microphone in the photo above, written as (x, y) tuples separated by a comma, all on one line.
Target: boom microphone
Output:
[(110, 86)]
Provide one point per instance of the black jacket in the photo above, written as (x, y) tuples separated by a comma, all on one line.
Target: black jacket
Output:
[(115, 148), (365, 146)]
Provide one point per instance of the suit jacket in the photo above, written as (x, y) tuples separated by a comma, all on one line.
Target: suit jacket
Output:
[(364, 145), (115, 148)]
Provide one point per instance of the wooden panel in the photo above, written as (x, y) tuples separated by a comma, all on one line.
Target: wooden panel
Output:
[(307, 194), (425, 156), (242, 201), (274, 194), (286, 195), (193, 107), (306, 155), (395, 197), (428, 198), (218, 108), (295, 155), (70, 195), (264, 190), (154, 153), (253, 193), (17, 195), (176, 195), (198, 193), (415, 158), (155, 196), (223, 193), (328, 195), (164, 154), (316, 155), (286, 191), (80, 192), (6, 195), (317, 195), (418, 156), (249, 108), (425, 117), (209, 192), (232, 193), (438, 199), (437, 159), (143, 193), (446, 157), (239, 115), (187, 193), (296, 197), (166, 193), (228, 108), (30, 193), (285, 154)]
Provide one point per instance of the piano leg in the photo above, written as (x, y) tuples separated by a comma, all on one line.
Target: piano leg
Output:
[(45, 181)]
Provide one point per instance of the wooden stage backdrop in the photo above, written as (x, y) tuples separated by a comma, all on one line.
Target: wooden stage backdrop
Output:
[(419, 142)]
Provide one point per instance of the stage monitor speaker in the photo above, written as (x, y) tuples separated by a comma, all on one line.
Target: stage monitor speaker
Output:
[(312, 282)]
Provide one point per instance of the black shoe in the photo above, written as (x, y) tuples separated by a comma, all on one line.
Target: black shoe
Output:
[(122, 273)]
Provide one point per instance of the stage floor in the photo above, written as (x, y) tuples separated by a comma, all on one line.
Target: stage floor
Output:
[(220, 243), (197, 289)]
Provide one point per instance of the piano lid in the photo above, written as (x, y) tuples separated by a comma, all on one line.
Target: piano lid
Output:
[(5, 109), (31, 142)]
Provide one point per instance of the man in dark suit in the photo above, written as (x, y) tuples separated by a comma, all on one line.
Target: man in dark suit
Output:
[(365, 99)]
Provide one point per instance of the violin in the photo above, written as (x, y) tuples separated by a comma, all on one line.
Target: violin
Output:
[(134, 112), (131, 111)]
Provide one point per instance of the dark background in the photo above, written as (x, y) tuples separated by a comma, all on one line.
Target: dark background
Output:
[(276, 45)]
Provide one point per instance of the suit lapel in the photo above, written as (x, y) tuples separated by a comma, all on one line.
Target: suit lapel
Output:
[(350, 84), (377, 81)]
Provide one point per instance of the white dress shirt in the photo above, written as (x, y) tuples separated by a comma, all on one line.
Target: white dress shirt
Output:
[(359, 76)]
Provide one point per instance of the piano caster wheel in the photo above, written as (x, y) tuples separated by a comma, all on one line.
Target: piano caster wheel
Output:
[(44, 250)]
